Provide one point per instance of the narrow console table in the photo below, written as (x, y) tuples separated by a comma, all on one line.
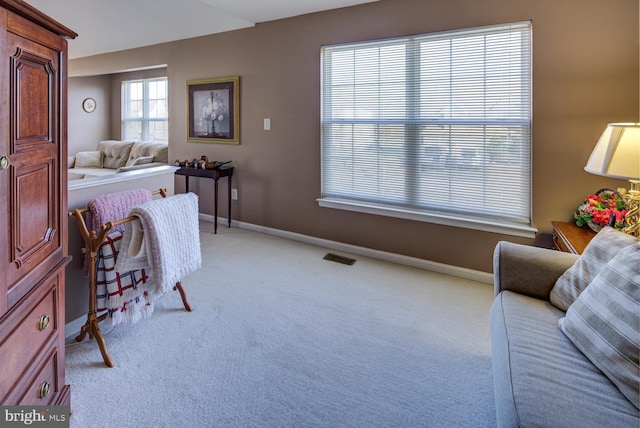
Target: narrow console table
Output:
[(215, 175)]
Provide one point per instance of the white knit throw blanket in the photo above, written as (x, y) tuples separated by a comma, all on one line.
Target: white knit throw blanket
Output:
[(170, 241)]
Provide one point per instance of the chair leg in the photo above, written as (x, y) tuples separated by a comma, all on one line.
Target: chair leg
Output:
[(178, 287)]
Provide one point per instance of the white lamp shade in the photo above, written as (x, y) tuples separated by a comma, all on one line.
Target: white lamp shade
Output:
[(617, 153)]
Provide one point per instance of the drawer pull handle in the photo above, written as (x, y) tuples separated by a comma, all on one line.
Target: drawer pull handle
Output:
[(45, 389), (44, 322), (4, 162)]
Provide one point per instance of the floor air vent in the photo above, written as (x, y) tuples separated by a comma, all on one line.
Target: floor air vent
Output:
[(339, 259)]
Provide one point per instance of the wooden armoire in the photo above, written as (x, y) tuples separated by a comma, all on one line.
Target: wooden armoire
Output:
[(33, 205)]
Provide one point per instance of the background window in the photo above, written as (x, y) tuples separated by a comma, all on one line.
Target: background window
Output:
[(435, 123), (145, 110)]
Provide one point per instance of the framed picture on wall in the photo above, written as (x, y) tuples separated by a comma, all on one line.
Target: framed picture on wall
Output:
[(213, 107)]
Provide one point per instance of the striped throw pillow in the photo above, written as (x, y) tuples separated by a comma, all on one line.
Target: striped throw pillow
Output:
[(602, 248), (603, 323)]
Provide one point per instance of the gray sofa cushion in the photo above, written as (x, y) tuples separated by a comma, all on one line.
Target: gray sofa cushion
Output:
[(159, 151), (540, 378), (115, 153)]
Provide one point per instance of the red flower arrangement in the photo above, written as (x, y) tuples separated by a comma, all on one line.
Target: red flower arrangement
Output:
[(604, 208)]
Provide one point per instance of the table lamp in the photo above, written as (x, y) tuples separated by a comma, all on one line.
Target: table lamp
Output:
[(617, 154)]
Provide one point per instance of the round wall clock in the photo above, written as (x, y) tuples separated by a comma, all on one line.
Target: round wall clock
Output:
[(89, 105)]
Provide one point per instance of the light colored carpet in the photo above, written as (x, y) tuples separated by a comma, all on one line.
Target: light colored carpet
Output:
[(280, 337)]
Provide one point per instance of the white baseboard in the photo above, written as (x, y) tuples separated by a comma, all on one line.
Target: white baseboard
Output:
[(429, 265), (73, 328)]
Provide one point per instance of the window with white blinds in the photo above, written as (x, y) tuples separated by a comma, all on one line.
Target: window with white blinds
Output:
[(145, 113), (435, 124)]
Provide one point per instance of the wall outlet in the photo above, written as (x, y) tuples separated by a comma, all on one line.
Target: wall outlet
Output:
[(234, 194)]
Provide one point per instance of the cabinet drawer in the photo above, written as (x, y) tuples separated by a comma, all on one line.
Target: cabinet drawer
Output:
[(559, 244), (44, 387), (23, 339)]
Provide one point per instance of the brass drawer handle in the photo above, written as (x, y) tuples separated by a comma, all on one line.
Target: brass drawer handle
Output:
[(44, 322), (45, 389)]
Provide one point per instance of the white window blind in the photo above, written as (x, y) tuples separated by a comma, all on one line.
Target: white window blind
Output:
[(435, 123), (145, 110)]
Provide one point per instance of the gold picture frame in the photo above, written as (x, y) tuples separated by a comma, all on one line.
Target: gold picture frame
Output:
[(213, 107)]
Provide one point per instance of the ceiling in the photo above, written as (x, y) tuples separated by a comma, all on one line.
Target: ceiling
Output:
[(113, 25)]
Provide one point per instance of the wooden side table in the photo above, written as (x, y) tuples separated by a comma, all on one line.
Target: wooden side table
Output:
[(570, 238), (215, 175)]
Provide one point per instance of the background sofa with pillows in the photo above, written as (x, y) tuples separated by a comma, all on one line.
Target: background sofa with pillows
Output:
[(113, 156), (565, 334)]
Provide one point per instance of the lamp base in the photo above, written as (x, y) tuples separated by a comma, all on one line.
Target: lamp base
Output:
[(632, 201)]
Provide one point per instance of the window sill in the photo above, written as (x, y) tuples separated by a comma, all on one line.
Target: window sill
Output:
[(505, 228)]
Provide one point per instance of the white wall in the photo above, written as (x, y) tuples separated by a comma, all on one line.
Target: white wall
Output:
[(85, 130)]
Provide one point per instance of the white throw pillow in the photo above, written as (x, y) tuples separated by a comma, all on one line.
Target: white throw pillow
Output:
[(603, 322), (602, 248), (142, 160), (91, 159)]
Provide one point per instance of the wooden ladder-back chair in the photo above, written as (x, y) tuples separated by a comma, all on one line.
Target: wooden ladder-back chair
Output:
[(93, 240)]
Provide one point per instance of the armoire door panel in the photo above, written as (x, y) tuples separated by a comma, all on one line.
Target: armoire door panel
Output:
[(34, 215), (33, 188), (32, 76), (33, 96), (34, 234)]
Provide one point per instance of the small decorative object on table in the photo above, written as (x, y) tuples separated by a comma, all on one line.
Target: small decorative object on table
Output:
[(216, 164), (604, 208), (202, 163)]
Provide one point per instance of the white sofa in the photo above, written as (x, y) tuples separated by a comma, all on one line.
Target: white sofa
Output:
[(111, 157)]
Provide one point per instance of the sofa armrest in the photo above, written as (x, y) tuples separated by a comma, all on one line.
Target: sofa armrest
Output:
[(528, 270)]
